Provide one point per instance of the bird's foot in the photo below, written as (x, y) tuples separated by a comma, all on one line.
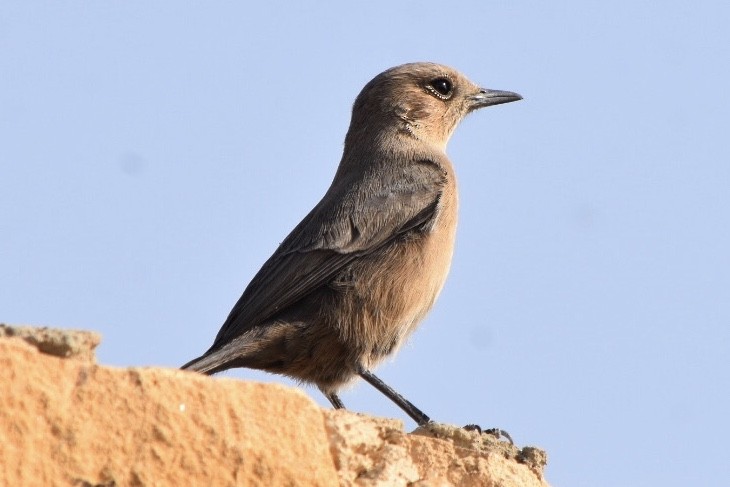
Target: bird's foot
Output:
[(496, 432)]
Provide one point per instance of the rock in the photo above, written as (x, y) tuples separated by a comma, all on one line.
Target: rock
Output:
[(53, 341), (376, 452), (73, 422)]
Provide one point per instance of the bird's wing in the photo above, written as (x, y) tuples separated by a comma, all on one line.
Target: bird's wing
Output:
[(354, 221)]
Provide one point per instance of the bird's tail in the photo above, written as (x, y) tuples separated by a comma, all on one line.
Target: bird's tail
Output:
[(243, 351), (208, 363)]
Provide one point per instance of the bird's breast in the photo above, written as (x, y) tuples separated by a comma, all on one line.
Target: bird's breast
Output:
[(438, 247), (397, 286)]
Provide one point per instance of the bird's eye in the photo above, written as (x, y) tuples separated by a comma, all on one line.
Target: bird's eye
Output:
[(441, 87)]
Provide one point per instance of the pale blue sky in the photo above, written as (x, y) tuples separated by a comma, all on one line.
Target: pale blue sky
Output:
[(153, 155)]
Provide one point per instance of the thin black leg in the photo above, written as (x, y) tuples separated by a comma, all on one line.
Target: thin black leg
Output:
[(412, 411), (334, 399)]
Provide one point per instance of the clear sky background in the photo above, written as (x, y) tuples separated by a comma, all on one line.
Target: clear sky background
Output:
[(152, 156)]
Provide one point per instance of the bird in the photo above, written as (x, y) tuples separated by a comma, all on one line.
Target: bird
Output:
[(357, 275)]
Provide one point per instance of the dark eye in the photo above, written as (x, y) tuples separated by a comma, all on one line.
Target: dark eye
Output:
[(442, 87)]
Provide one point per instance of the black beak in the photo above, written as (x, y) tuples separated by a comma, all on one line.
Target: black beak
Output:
[(487, 98)]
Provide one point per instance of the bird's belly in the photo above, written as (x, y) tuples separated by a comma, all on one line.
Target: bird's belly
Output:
[(392, 292)]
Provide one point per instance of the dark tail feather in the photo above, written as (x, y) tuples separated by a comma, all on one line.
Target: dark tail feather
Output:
[(208, 363)]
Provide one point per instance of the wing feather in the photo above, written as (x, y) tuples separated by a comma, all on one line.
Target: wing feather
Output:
[(351, 220)]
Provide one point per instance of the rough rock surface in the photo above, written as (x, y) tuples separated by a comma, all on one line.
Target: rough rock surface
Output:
[(73, 422), (53, 341)]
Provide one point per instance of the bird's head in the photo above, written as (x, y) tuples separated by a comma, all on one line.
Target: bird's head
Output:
[(425, 101)]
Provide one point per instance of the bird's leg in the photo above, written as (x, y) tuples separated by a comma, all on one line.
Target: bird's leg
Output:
[(334, 399), (412, 411), (415, 413)]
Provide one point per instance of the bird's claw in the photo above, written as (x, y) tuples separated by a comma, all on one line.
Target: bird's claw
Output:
[(496, 432)]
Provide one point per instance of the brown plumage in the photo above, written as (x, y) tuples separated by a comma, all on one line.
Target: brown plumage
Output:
[(363, 268)]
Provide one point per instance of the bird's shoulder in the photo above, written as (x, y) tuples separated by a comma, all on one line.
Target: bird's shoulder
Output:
[(363, 210)]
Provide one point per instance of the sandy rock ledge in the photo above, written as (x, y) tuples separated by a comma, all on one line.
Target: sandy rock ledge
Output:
[(73, 422)]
